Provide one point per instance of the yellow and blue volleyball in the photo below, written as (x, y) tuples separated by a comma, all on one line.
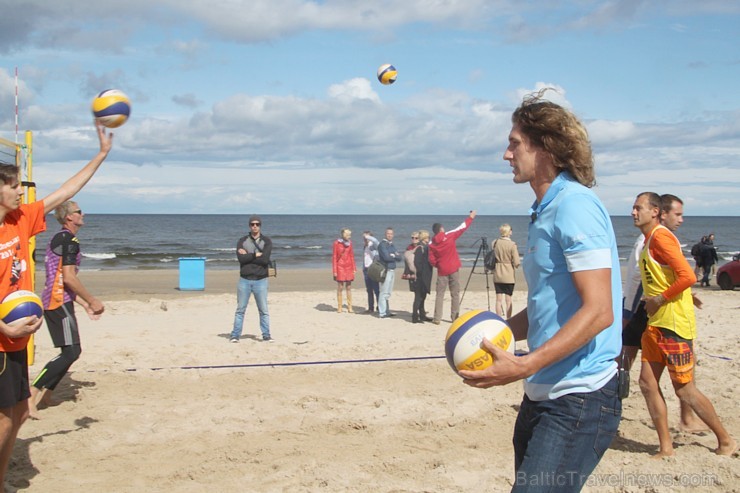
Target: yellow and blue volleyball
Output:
[(463, 340), (111, 108), (19, 305), (387, 74)]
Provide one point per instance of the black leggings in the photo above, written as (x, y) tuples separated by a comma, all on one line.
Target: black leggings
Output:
[(55, 369), (420, 297)]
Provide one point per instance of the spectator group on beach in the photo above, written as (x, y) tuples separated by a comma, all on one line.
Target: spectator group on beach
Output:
[(421, 257)]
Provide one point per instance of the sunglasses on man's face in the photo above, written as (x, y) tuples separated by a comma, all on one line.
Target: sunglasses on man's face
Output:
[(255, 224)]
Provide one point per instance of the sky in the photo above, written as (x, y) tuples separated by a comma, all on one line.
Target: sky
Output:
[(273, 106)]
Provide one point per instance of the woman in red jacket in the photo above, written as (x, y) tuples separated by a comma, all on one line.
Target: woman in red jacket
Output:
[(343, 266)]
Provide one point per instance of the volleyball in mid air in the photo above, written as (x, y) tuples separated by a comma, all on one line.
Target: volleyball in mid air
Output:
[(111, 108), (463, 342), (19, 305), (387, 74)]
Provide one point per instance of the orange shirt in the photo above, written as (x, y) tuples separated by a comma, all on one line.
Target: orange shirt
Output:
[(666, 250), (15, 232)]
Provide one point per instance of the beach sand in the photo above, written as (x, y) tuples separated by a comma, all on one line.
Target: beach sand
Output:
[(160, 401)]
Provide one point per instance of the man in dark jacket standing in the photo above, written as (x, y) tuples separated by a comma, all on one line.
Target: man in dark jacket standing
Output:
[(253, 252), (443, 255), (708, 258)]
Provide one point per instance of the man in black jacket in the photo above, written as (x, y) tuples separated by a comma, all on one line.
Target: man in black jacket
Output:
[(708, 258), (253, 252)]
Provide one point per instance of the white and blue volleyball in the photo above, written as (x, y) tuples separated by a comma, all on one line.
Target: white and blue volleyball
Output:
[(111, 108), (387, 74), (463, 342), (18, 306)]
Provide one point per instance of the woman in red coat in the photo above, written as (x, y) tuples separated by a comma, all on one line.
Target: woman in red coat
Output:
[(343, 266)]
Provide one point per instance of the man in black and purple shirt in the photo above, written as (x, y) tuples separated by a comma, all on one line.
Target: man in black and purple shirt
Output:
[(63, 288)]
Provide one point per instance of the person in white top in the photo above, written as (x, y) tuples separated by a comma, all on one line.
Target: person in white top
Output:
[(373, 287)]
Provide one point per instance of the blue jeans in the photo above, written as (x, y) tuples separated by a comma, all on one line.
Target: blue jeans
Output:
[(568, 437), (243, 290), (385, 292), (373, 290)]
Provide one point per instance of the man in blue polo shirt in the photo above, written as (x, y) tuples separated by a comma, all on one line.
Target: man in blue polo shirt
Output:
[(571, 408)]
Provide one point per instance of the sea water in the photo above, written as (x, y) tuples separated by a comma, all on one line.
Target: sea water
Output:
[(158, 241)]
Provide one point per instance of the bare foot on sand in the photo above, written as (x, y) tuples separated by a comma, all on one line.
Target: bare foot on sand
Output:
[(39, 398), (664, 454), (695, 427), (33, 410), (46, 398), (727, 448)]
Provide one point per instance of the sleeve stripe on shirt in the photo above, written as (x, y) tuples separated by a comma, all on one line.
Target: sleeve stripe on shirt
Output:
[(589, 260)]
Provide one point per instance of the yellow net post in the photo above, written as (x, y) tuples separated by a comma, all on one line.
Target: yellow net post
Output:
[(26, 168)]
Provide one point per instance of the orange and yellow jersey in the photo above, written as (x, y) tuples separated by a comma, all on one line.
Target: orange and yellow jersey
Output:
[(665, 271), (15, 232)]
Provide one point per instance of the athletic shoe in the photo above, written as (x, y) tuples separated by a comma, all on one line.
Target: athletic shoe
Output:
[(234, 340), (267, 339)]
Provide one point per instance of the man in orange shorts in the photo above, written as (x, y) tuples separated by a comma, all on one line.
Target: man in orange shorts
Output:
[(668, 341)]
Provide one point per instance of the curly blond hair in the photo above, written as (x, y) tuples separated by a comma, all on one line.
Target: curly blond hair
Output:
[(559, 133)]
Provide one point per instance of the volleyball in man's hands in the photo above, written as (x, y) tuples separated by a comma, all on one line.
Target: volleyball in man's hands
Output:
[(463, 342), (387, 74), (111, 108), (18, 306)]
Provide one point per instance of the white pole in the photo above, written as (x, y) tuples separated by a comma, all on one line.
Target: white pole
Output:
[(16, 105)]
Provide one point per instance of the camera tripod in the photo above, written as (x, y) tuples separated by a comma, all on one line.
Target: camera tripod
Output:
[(482, 252)]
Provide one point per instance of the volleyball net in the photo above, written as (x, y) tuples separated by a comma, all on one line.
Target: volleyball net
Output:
[(18, 154)]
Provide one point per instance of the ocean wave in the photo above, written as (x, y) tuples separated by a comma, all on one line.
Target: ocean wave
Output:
[(726, 255), (274, 237), (99, 256)]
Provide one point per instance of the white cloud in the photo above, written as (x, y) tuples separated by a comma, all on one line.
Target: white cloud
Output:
[(608, 132), (443, 148), (258, 20), (358, 88), (204, 131)]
